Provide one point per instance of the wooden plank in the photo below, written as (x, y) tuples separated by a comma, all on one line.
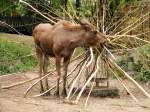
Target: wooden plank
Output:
[(100, 92)]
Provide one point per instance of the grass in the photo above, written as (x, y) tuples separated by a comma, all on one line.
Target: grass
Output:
[(14, 51), (13, 54)]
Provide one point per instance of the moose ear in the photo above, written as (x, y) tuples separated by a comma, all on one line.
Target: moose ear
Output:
[(85, 24), (83, 21)]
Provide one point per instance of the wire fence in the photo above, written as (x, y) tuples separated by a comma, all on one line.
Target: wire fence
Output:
[(23, 24)]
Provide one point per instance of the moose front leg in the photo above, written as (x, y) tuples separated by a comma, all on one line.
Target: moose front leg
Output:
[(65, 68), (58, 67)]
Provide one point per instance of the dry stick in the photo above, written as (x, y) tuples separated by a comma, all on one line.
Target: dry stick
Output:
[(91, 52), (75, 90), (110, 53), (130, 78), (121, 20), (49, 14), (143, 33), (79, 95), (47, 75), (147, 14), (53, 87), (73, 84), (136, 25), (132, 36), (27, 81), (103, 21), (73, 80), (79, 56), (89, 93), (21, 1), (8, 75), (129, 29), (10, 27), (25, 93), (132, 96), (19, 83), (121, 81), (68, 14)]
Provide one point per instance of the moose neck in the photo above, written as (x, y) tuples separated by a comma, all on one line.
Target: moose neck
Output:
[(79, 40)]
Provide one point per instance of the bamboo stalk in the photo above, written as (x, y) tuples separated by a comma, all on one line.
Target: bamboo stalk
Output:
[(53, 87), (80, 93), (74, 79), (92, 56), (127, 76), (19, 83), (21, 1), (121, 82), (147, 14), (132, 36), (130, 78), (4, 23), (74, 82), (25, 93), (89, 93), (121, 20)]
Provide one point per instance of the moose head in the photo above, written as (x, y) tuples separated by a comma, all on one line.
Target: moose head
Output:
[(92, 36)]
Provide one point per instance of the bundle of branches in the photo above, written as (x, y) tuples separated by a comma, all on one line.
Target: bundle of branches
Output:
[(119, 41)]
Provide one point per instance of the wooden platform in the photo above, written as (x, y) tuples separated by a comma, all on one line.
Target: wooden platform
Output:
[(100, 92)]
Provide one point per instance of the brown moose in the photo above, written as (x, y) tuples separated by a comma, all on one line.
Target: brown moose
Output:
[(59, 41)]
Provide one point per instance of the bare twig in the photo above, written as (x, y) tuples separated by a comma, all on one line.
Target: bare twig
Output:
[(19, 83), (25, 94), (92, 56), (121, 82), (92, 85), (73, 84), (4, 23), (93, 74), (129, 77), (53, 87), (21, 1), (129, 27)]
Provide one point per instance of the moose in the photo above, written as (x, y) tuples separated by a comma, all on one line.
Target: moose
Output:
[(59, 41)]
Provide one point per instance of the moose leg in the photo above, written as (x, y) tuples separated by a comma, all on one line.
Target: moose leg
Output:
[(40, 60), (65, 68), (45, 65), (58, 67)]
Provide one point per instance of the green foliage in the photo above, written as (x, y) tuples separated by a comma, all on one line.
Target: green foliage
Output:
[(143, 75), (140, 63), (123, 62), (9, 7), (79, 51), (12, 57)]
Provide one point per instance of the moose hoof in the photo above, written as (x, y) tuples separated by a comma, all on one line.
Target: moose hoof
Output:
[(41, 91), (64, 93), (47, 94), (57, 94)]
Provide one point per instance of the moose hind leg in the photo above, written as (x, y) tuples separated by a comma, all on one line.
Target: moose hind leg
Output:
[(40, 60), (45, 66)]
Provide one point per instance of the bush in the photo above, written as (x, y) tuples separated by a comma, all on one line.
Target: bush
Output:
[(144, 75), (140, 63)]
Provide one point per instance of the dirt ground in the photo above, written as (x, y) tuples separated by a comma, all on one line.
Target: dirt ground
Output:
[(12, 100)]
